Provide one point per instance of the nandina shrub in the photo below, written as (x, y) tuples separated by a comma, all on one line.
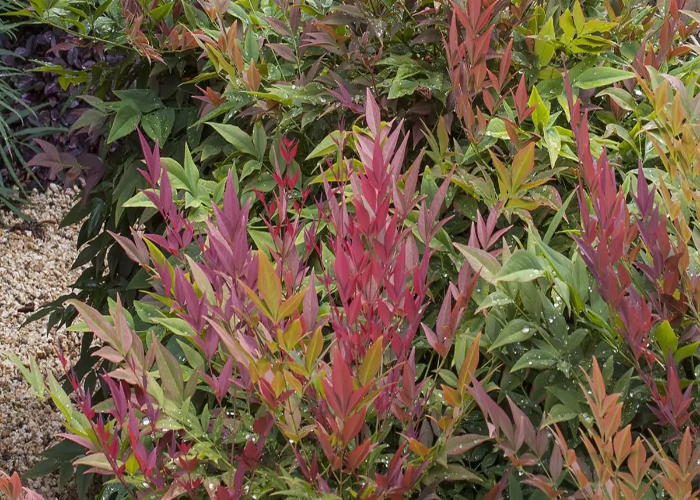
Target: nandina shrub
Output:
[(545, 309), (11, 487), (250, 372), (617, 461)]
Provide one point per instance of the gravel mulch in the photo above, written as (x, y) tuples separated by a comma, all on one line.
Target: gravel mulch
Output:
[(35, 264)]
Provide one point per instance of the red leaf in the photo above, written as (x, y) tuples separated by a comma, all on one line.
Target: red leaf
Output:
[(358, 455), (353, 425), (372, 114), (284, 51), (342, 383)]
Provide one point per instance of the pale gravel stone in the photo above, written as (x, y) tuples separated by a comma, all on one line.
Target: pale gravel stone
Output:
[(33, 270)]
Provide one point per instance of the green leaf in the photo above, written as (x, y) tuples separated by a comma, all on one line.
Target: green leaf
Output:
[(560, 413), (125, 122), (43, 468), (201, 280), (371, 363), (590, 44), (139, 200), (234, 135), (450, 378), (685, 352), (556, 220), (536, 359), (59, 397), (162, 11), (96, 461), (142, 100), (191, 177), (517, 330), (544, 46), (666, 338), (250, 45), (552, 141), (327, 146), (514, 490), (263, 240), (170, 373), (192, 356), (559, 262), (540, 117), (101, 9), (597, 25), (259, 139), (401, 88), (31, 375), (158, 124), (522, 266), (566, 23), (601, 77), (176, 325), (570, 398), (579, 19), (481, 261), (497, 298), (269, 284), (428, 186)]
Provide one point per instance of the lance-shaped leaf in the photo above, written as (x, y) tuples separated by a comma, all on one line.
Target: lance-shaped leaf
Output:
[(170, 372), (269, 285), (97, 323), (372, 362), (601, 77), (482, 262), (523, 163), (31, 375), (313, 349), (237, 137), (520, 267), (470, 364)]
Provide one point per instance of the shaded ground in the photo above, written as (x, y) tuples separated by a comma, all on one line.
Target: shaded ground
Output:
[(35, 263)]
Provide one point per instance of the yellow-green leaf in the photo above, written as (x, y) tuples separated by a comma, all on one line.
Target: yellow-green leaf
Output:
[(601, 77), (313, 349), (482, 262), (96, 461), (132, 465), (540, 117), (470, 363), (579, 19), (666, 338), (418, 448), (291, 305), (269, 284), (523, 163), (372, 362)]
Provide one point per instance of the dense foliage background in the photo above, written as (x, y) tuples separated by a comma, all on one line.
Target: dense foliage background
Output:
[(376, 249)]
